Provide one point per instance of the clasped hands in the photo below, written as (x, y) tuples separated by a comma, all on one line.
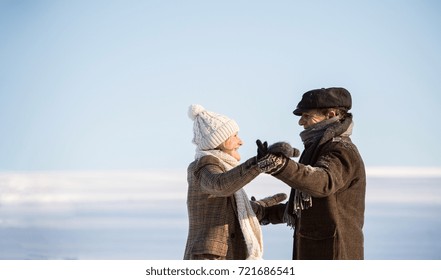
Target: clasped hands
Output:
[(272, 159)]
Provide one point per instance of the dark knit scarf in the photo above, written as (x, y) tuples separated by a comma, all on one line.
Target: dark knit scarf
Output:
[(312, 138)]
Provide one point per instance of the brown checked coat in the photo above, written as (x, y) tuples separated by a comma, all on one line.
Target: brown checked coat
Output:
[(214, 229)]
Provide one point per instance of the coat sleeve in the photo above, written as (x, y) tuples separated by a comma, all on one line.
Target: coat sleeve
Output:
[(329, 174), (215, 180)]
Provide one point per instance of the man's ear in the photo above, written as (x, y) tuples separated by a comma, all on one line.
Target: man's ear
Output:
[(331, 114)]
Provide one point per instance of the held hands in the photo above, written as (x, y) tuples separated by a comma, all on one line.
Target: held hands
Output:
[(273, 158), (267, 162)]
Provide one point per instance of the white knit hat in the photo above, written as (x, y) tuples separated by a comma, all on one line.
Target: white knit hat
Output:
[(210, 129)]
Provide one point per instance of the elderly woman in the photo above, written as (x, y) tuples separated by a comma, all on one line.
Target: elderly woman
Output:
[(222, 222)]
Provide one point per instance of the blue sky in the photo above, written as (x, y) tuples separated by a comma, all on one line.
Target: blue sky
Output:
[(90, 85)]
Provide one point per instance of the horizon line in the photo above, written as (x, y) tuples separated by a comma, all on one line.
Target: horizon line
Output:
[(371, 171)]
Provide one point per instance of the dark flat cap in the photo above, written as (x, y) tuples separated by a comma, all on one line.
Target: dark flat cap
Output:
[(334, 97)]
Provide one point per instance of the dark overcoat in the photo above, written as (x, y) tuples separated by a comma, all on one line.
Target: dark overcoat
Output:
[(333, 173)]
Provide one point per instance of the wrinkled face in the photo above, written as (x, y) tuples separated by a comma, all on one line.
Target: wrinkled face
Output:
[(311, 117), (231, 145)]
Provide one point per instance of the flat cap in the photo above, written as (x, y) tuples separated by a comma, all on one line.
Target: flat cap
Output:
[(334, 97)]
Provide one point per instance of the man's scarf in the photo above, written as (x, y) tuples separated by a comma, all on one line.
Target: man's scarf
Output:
[(312, 137)]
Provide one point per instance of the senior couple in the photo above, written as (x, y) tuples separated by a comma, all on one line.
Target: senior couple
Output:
[(327, 185)]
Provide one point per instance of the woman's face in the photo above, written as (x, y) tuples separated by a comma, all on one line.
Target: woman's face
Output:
[(231, 145)]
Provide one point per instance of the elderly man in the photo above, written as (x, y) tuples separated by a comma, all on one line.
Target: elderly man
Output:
[(328, 184)]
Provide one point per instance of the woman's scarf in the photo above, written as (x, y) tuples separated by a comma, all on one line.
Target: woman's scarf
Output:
[(249, 224)]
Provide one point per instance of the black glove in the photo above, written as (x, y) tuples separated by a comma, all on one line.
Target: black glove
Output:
[(270, 200), (259, 206), (272, 164), (262, 149), (268, 162), (283, 148)]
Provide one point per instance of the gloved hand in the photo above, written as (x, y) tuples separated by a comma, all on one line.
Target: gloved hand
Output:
[(259, 206), (267, 162), (270, 200), (262, 149), (271, 164), (283, 148)]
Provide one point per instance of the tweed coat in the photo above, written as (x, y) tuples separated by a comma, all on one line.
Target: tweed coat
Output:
[(214, 228), (333, 173)]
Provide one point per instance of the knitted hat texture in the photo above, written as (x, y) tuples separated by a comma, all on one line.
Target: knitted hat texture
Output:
[(210, 129)]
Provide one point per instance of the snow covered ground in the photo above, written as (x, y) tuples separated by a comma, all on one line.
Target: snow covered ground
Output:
[(142, 215)]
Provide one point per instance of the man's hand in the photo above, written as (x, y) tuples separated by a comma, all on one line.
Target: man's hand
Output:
[(283, 148), (270, 200), (260, 206)]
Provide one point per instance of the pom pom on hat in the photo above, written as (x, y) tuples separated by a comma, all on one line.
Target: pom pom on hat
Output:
[(194, 111), (210, 129)]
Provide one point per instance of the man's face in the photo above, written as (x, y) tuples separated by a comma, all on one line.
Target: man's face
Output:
[(311, 117)]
